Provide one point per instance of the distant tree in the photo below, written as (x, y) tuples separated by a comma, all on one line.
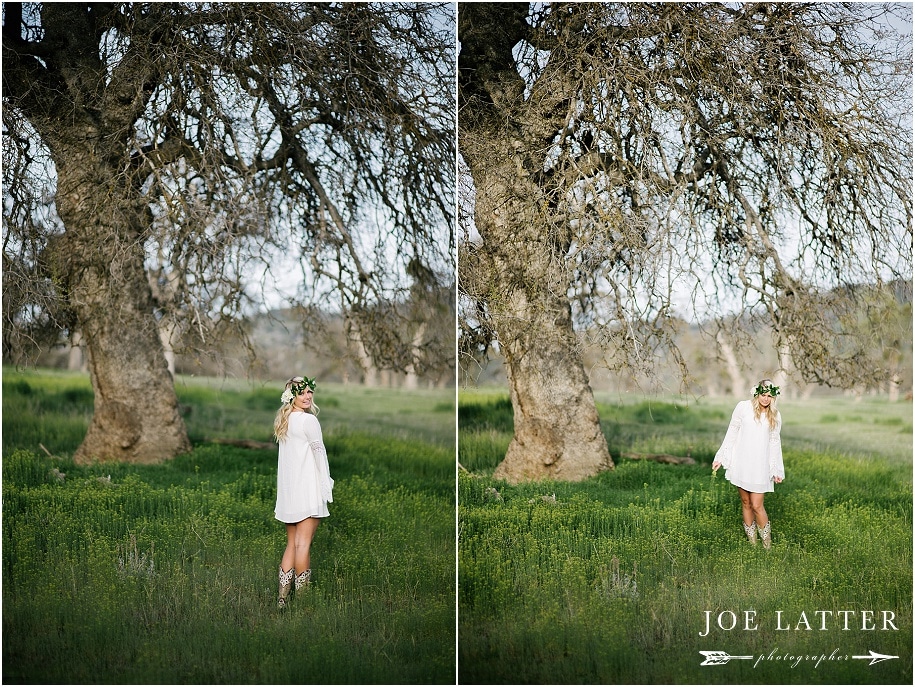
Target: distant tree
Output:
[(628, 159), (158, 156)]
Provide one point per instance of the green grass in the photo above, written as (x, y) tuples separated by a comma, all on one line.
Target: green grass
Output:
[(608, 581), (167, 574)]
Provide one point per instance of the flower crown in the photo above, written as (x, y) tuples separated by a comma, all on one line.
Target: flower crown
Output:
[(297, 388), (770, 389)]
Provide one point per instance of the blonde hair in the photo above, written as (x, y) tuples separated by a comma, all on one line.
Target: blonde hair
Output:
[(281, 421), (771, 412)]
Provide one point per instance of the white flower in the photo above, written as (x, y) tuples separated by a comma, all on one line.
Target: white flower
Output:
[(287, 396)]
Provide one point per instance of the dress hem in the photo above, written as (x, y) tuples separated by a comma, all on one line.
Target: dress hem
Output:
[(292, 519), (752, 488)]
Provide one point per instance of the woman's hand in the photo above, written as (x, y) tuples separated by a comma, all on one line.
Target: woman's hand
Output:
[(715, 466), (777, 480)]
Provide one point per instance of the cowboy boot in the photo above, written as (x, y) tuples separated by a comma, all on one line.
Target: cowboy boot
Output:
[(766, 534), (751, 532), (285, 585), (303, 579)]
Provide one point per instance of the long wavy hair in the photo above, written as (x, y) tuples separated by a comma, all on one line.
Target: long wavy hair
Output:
[(281, 421), (771, 412)]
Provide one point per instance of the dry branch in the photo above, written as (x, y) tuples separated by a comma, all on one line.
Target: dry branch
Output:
[(660, 458), (245, 443)]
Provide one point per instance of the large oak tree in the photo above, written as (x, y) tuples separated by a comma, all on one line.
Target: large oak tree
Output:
[(626, 160), (157, 156)]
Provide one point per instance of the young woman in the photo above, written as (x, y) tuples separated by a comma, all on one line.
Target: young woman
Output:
[(303, 483), (752, 457)]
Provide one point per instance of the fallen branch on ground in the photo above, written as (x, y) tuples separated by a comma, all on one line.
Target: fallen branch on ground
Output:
[(660, 458), (244, 443)]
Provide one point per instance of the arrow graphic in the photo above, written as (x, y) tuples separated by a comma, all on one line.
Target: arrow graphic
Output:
[(719, 658), (874, 657)]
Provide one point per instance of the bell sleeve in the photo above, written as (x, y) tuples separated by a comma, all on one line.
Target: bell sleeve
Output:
[(730, 439), (776, 464), (316, 442)]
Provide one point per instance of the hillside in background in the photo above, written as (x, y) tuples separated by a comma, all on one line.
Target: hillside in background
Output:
[(717, 369), (277, 347)]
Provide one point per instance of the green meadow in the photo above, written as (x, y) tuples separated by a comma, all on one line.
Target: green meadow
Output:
[(168, 574), (611, 580)]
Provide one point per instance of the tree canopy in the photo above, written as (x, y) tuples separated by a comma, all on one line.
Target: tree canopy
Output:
[(312, 137), (161, 160), (632, 164), (695, 159)]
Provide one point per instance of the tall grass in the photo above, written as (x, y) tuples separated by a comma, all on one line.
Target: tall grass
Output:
[(608, 581), (167, 574)]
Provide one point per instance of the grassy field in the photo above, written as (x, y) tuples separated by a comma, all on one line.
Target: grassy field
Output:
[(611, 580), (167, 574)]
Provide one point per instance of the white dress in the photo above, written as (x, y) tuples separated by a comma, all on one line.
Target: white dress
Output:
[(751, 452), (303, 483)]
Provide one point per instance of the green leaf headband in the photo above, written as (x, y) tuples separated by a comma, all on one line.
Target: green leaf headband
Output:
[(761, 389), (297, 388)]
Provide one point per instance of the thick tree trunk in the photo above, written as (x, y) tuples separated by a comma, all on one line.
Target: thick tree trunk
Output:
[(557, 432), (369, 371), (524, 281), (557, 428), (84, 102), (411, 381), (136, 416), (739, 387), (75, 358), (785, 363), (101, 261), (167, 334)]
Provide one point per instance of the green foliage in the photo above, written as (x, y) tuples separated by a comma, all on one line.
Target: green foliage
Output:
[(493, 414), (41, 409), (607, 580), (482, 449), (168, 574), (486, 425), (662, 413)]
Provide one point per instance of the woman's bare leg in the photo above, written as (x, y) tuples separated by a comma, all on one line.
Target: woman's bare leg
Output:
[(286, 572), (288, 560), (759, 510), (304, 534), (747, 506)]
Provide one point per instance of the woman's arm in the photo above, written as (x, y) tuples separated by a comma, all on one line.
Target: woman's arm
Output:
[(313, 433), (723, 457), (316, 441), (776, 464)]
